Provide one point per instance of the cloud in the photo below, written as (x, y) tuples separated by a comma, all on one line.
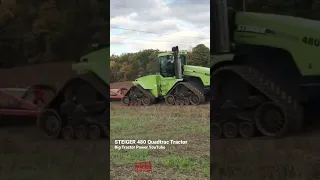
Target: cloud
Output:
[(158, 24)]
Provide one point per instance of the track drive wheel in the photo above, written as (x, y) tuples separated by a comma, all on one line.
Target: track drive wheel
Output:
[(247, 129), (216, 131), (170, 100), (50, 122), (230, 130), (195, 99), (271, 120), (94, 132), (67, 133)]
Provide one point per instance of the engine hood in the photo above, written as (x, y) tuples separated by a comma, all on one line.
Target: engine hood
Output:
[(197, 69)]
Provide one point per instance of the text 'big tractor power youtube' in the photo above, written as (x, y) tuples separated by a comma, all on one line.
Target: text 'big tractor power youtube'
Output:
[(265, 75), (177, 83), (80, 110)]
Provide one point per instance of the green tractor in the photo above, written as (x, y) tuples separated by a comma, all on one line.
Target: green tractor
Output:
[(177, 83), (265, 73), (81, 109)]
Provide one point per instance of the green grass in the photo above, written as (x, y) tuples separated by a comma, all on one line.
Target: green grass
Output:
[(188, 161)]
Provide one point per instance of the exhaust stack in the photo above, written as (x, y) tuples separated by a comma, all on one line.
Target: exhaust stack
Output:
[(220, 27), (177, 62)]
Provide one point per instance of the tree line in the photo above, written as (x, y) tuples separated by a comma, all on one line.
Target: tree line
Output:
[(128, 66), (36, 31)]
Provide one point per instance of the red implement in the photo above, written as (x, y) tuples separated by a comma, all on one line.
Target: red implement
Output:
[(118, 93), (25, 101)]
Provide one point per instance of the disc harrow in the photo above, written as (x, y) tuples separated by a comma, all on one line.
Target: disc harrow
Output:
[(79, 111), (269, 111)]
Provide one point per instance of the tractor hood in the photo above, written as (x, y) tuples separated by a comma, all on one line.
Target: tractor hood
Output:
[(196, 69)]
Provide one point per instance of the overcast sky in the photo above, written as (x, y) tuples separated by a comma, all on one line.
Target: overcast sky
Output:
[(183, 23)]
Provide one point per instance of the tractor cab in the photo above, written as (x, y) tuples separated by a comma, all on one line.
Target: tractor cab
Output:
[(167, 62)]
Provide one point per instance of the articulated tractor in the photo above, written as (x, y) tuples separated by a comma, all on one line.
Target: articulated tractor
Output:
[(265, 73), (81, 109), (177, 83)]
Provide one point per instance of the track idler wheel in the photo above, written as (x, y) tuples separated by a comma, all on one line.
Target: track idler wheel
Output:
[(67, 133), (146, 100), (216, 131), (170, 100), (195, 99), (126, 100), (247, 129), (80, 132), (94, 132), (271, 120), (50, 122), (230, 130)]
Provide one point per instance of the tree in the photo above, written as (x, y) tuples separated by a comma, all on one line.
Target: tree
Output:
[(200, 56)]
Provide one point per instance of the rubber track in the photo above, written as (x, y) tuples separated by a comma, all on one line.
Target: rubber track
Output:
[(92, 79), (193, 89), (292, 107), (98, 84), (145, 92)]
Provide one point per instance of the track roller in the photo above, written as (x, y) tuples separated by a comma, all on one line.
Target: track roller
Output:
[(170, 100), (94, 132), (146, 100), (80, 132), (67, 133), (195, 99), (230, 130), (247, 129)]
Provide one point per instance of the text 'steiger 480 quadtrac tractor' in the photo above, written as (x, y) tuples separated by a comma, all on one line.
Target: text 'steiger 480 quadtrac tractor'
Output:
[(177, 83), (80, 109), (265, 75)]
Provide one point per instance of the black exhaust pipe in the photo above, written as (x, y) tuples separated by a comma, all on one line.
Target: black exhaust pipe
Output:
[(220, 27), (177, 62)]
